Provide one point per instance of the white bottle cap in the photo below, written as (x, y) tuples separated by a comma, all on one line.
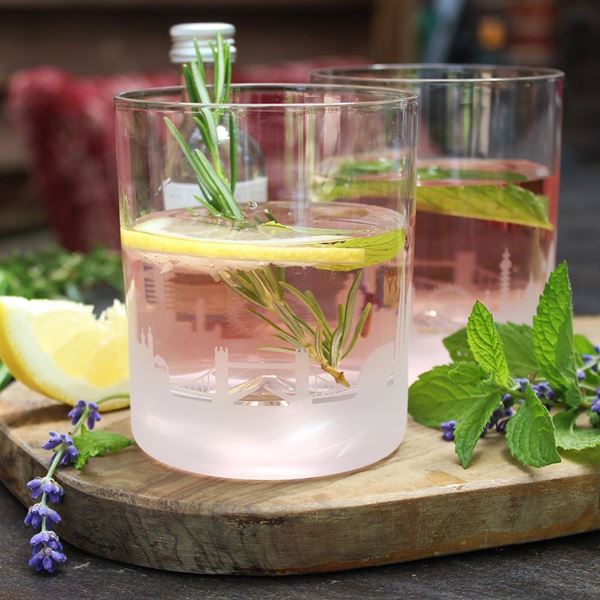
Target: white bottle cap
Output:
[(184, 34)]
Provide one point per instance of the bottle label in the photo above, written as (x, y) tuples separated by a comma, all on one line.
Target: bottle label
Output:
[(182, 195)]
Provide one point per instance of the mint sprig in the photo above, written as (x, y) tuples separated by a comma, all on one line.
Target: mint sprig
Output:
[(532, 383)]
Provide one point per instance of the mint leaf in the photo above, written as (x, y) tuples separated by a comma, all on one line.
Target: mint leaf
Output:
[(570, 437), (518, 347), (377, 249), (472, 423), (507, 204), (458, 346), (583, 345), (436, 172), (97, 443), (486, 345), (446, 392), (553, 335), (328, 190), (530, 433), (379, 166)]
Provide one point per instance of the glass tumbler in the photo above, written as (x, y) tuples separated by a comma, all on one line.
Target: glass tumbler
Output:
[(487, 191), (271, 344)]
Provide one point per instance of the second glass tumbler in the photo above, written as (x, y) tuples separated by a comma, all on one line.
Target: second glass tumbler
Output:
[(487, 195)]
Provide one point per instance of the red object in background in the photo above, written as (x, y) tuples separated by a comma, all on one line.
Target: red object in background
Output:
[(68, 123)]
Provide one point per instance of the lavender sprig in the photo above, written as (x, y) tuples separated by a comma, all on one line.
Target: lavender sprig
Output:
[(47, 550)]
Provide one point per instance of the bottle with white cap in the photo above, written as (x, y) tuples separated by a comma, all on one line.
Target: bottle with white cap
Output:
[(180, 190)]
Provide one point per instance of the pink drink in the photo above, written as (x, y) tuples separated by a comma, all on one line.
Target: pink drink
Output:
[(209, 396), (460, 259)]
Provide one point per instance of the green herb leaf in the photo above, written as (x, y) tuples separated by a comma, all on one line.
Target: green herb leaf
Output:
[(486, 345), (378, 166), (530, 433), (583, 345), (5, 376), (507, 204), (472, 423), (446, 392), (378, 249), (553, 335), (570, 437), (436, 172), (518, 348), (98, 443)]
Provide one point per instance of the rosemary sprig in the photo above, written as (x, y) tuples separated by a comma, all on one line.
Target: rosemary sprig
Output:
[(217, 189), (326, 345)]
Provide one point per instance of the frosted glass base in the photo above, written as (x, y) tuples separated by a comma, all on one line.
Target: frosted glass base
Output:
[(315, 432)]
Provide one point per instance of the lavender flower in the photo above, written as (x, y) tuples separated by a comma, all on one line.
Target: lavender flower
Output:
[(448, 428), (41, 485), (45, 559), (38, 512), (93, 416), (56, 439), (544, 391), (522, 381), (45, 538), (596, 405), (76, 412), (70, 451)]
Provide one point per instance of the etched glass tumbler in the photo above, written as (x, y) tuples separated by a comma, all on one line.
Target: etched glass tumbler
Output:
[(267, 340), (487, 191)]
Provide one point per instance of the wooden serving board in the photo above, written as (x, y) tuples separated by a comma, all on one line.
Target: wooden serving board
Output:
[(416, 503)]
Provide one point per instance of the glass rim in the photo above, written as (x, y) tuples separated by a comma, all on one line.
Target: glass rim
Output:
[(500, 73), (380, 97)]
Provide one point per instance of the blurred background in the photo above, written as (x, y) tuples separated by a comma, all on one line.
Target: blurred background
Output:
[(62, 60)]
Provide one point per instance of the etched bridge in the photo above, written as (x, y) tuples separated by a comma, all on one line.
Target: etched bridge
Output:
[(272, 377)]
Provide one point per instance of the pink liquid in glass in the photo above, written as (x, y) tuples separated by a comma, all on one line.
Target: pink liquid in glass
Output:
[(460, 259), (209, 394)]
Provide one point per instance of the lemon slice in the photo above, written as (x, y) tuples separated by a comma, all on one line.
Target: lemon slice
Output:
[(61, 350), (272, 250)]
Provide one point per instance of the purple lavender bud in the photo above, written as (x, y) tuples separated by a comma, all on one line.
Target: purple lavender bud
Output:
[(501, 427), (45, 559), (597, 349), (35, 487), (38, 512), (45, 538), (522, 381), (509, 412), (580, 375), (54, 441), (70, 451), (448, 428), (588, 358), (94, 415), (76, 412), (595, 406), (507, 400), (54, 490)]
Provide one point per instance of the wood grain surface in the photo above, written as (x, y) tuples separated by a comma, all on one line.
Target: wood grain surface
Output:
[(417, 503)]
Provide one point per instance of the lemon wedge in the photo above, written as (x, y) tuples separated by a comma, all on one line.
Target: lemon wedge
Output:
[(60, 349)]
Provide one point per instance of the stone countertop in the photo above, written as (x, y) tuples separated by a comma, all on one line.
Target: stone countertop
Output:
[(561, 568)]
